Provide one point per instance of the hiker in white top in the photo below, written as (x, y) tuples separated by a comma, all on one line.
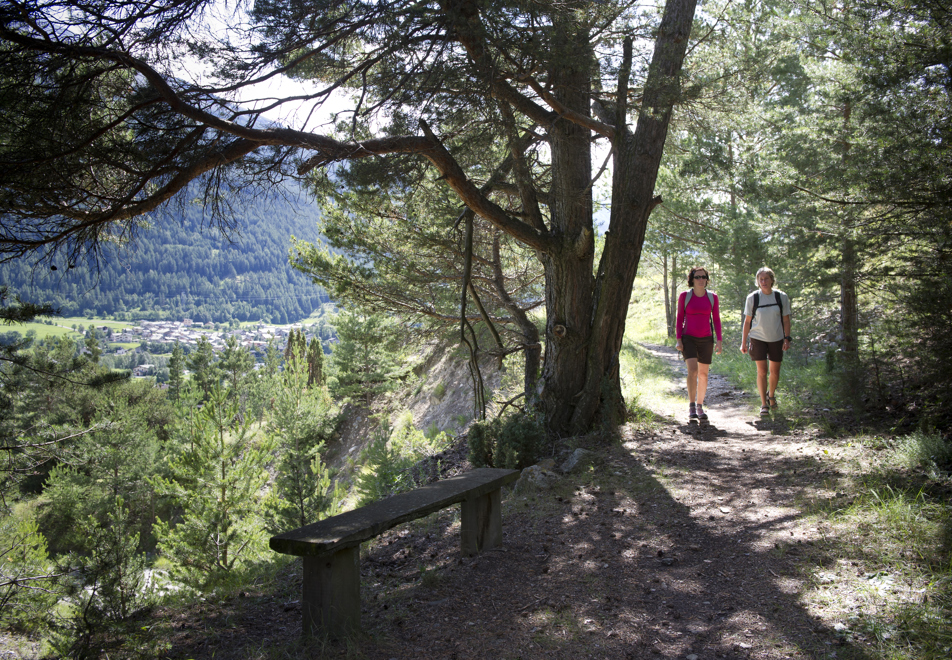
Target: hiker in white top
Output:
[(767, 327)]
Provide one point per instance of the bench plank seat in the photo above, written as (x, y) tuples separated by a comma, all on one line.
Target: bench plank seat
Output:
[(330, 548), (358, 525)]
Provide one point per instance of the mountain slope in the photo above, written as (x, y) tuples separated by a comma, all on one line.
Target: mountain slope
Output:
[(180, 267)]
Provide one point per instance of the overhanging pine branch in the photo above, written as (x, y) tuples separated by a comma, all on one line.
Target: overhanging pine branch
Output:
[(474, 198)]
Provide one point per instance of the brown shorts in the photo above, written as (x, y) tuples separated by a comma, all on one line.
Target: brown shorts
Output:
[(766, 350), (701, 348)]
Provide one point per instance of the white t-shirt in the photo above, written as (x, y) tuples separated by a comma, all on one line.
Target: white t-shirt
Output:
[(767, 325)]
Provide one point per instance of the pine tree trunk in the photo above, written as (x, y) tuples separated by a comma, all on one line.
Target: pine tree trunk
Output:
[(849, 312), (671, 293), (568, 267), (586, 323), (849, 308), (669, 324)]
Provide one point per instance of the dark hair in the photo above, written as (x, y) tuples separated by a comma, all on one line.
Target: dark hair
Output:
[(695, 269)]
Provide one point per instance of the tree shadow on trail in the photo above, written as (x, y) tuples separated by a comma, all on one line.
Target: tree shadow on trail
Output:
[(608, 564)]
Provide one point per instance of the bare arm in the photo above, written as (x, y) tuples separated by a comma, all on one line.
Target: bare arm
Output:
[(743, 341)]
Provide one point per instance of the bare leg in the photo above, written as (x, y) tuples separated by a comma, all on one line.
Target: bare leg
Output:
[(702, 370), (692, 379), (774, 376), (762, 381)]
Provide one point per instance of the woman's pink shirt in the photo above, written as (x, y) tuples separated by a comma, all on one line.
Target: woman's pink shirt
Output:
[(695, 320)]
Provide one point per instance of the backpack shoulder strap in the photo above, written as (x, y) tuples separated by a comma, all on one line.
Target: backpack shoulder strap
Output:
[(753, 312), (780, 306), (687, 297), (710, 296)]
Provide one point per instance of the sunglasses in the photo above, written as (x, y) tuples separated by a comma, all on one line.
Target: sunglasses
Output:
[(700, 277)]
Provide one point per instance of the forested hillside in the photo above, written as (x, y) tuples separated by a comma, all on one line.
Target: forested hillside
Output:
[(180, 267)]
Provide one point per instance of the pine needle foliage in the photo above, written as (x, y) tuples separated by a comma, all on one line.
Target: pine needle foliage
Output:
[(302, 420), (216, 481), (512, 442)]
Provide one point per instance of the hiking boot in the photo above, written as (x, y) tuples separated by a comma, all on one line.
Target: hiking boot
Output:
[(701, 415), (692, 413)]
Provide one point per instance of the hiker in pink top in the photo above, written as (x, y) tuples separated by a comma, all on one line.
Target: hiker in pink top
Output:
[(698, 312)]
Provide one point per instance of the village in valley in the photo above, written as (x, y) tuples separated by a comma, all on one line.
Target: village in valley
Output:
[(146, 336), (187, 333)]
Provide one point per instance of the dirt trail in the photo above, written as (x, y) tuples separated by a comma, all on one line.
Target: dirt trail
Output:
[(682, 542)]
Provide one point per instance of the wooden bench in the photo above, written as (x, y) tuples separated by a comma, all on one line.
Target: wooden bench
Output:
[(330, 548)]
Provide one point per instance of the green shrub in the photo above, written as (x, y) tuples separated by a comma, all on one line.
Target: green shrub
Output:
[(513, 442), (385, 470), (481, 442), (28, 589)]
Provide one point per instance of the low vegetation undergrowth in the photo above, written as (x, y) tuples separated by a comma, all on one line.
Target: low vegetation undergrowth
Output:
[(885, 568)]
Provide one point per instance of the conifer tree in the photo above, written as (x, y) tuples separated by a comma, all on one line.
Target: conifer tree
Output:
[(28, 589), (235, 363), (295, 352), (272, 358), (366, 357), (315, 363), (204, 367), (289, 347), (92, 346), (216, 479), (176, 371), (302, 420)]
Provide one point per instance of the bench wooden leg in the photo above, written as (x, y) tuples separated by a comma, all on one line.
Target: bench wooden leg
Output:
[(331, 599), (481, 523)]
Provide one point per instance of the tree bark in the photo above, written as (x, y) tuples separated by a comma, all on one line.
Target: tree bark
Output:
[(849, 307), (849, 313), (637, 159), (668, 322), (568, 266)]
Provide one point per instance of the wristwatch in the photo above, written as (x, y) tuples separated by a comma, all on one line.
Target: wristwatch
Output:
[(789, 338)]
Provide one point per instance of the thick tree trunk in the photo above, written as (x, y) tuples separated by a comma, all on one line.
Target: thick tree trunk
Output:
[(637, 159), (568, 266)]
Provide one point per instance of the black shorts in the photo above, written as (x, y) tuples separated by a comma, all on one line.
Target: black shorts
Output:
[(764, 350), (701, 348)]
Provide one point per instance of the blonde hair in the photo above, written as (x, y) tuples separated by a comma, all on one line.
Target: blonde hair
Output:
[(773, 278)]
